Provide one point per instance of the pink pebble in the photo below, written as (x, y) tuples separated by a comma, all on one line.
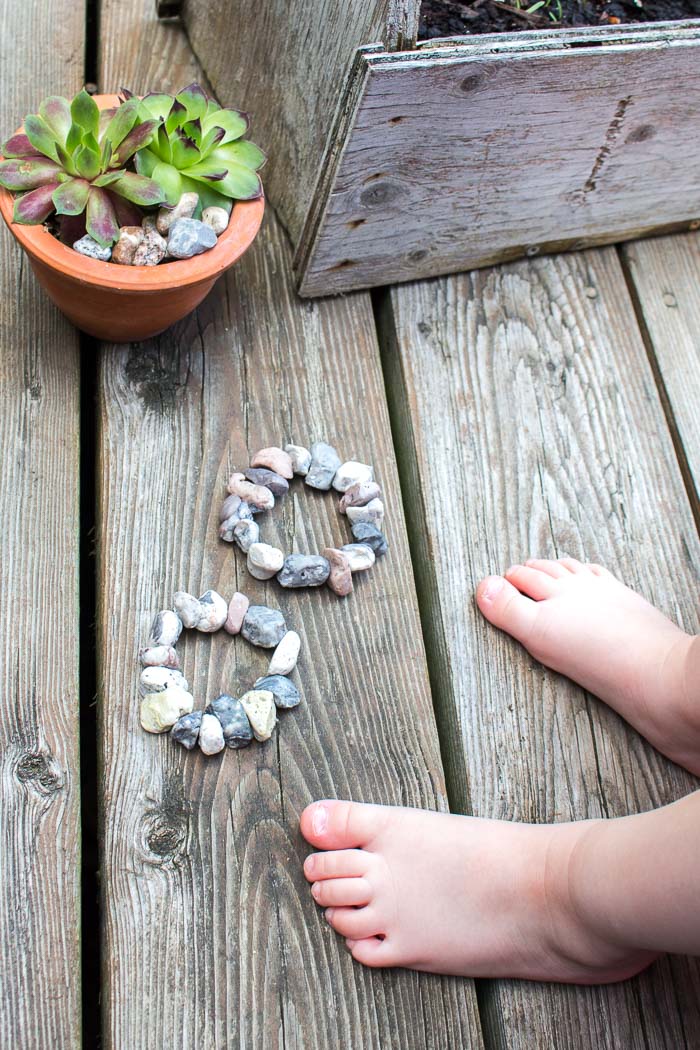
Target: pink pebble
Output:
[(274, 459), (237, 608), (359, 495)]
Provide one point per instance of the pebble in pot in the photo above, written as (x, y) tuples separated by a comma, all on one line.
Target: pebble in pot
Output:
[(277, 485), (159, 656), (359, 555), (324, 464), (93, 250), (373, 513), (245, 534), (211, 735), (190, 237), (186, 729), (234, 721), (300, 457), (352, 473), (340, 577), (263, 627), (152, 248), (359, 495), (214, 612), (364, 532), (130, 237), (237, 608), (304, 570), (259, 705), (160, 711), (184, 209), (274, 459), (285, 692), (217, 218), (166, 629), (284, 659), (264, 561), (153, 679)]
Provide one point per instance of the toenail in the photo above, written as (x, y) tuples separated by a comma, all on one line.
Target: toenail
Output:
[(309, 864), (511, 570), (316, 889), (319, 820), (493, 587), (328, 914)]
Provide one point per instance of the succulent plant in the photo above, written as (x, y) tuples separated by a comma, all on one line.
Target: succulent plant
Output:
[(71, 158), (199, 147)]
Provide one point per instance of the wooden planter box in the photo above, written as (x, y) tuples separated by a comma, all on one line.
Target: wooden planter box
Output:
[(393, 161)]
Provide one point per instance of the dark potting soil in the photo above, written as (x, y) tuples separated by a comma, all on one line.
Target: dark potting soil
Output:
[(440, 18)]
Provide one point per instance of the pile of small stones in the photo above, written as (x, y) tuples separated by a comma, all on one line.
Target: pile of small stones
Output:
[(171, 234), (267, 478), (227, 721)]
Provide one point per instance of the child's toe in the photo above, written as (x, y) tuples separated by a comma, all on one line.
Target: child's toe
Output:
[(371, 951), (342, 893), (355, 923), (344, 863), (505, 607), (341, 825)]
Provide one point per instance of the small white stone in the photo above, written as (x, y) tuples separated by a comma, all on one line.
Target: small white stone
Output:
[(154, 679), (359, 555), (166, 629), (184, 209), (160, 711), (211, 735), (214, 612), (87, 246), (352, 473), (187, 607), (372, 513), (300, 457), (159, 656), (259, 705), (285, 656), (264, 561), (245, 534), (217, 218)]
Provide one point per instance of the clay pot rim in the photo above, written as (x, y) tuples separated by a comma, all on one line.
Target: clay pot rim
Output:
[(246, 217)]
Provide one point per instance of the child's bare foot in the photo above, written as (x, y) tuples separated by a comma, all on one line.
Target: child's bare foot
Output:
[(581, 621), (457, 895)]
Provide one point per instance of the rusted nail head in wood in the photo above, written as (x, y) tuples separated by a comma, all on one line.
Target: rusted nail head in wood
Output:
[(694, 225), (532, 249), (669, 299), (168, 8)]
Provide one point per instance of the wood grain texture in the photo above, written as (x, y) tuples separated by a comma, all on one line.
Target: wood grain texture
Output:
[(664, 277), (527, 422), (210, 935), (285, 61), (41, 52), (462, 156)]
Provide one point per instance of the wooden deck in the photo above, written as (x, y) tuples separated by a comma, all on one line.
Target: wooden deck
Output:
[(548, 406)]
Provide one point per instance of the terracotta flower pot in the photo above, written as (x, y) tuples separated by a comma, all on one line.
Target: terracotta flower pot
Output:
[(123, 303)]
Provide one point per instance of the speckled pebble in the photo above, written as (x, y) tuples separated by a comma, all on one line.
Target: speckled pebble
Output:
[(211, 735), (154, 679), (274, 459), (283, 690), (214, 612), (373, 513), (93, 250), (166, 629), (151, 250), (304, 570), (264, 561), (245, 534), (227, 528), (264, 627), (217, 218), (186, 729), (188, 237), (259, 705), (364, 532), (360, 555), (234, 721), (184, 209), (340, 577), (359, 495), (352, 473), (284, 659), (130, 237), (258, 497), (159, 656), (187, 608), (324, 463), (300, 457), (161, 710), (277, 485), (237, 608)]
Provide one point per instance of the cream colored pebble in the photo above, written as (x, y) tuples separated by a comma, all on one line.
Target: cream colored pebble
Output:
[(264, 561), (259, 705), (359, 555), (284, 659), (160, 711), (352, 473)]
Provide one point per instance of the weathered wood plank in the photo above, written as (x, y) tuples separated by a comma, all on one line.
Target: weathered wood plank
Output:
[(664, 278), (210, 934), (41, 51), (458, 157), (285, 61), (526, 417)]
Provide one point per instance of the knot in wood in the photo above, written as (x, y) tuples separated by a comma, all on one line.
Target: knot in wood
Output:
[(34, 767), (380, 193), (166, 834)]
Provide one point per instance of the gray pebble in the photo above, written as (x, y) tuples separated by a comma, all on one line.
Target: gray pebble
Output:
[(93, 250), (190, 237), (227, 528), (245, 534), (166, 629), (188, 608), (214, 610), (184, 209), (285, 692), (304, 570), (234, 721), (372, 512), (300, 457), (186, 729), (264, 627), (277, 485), (211, 735), (324, 464), (370, 535)]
